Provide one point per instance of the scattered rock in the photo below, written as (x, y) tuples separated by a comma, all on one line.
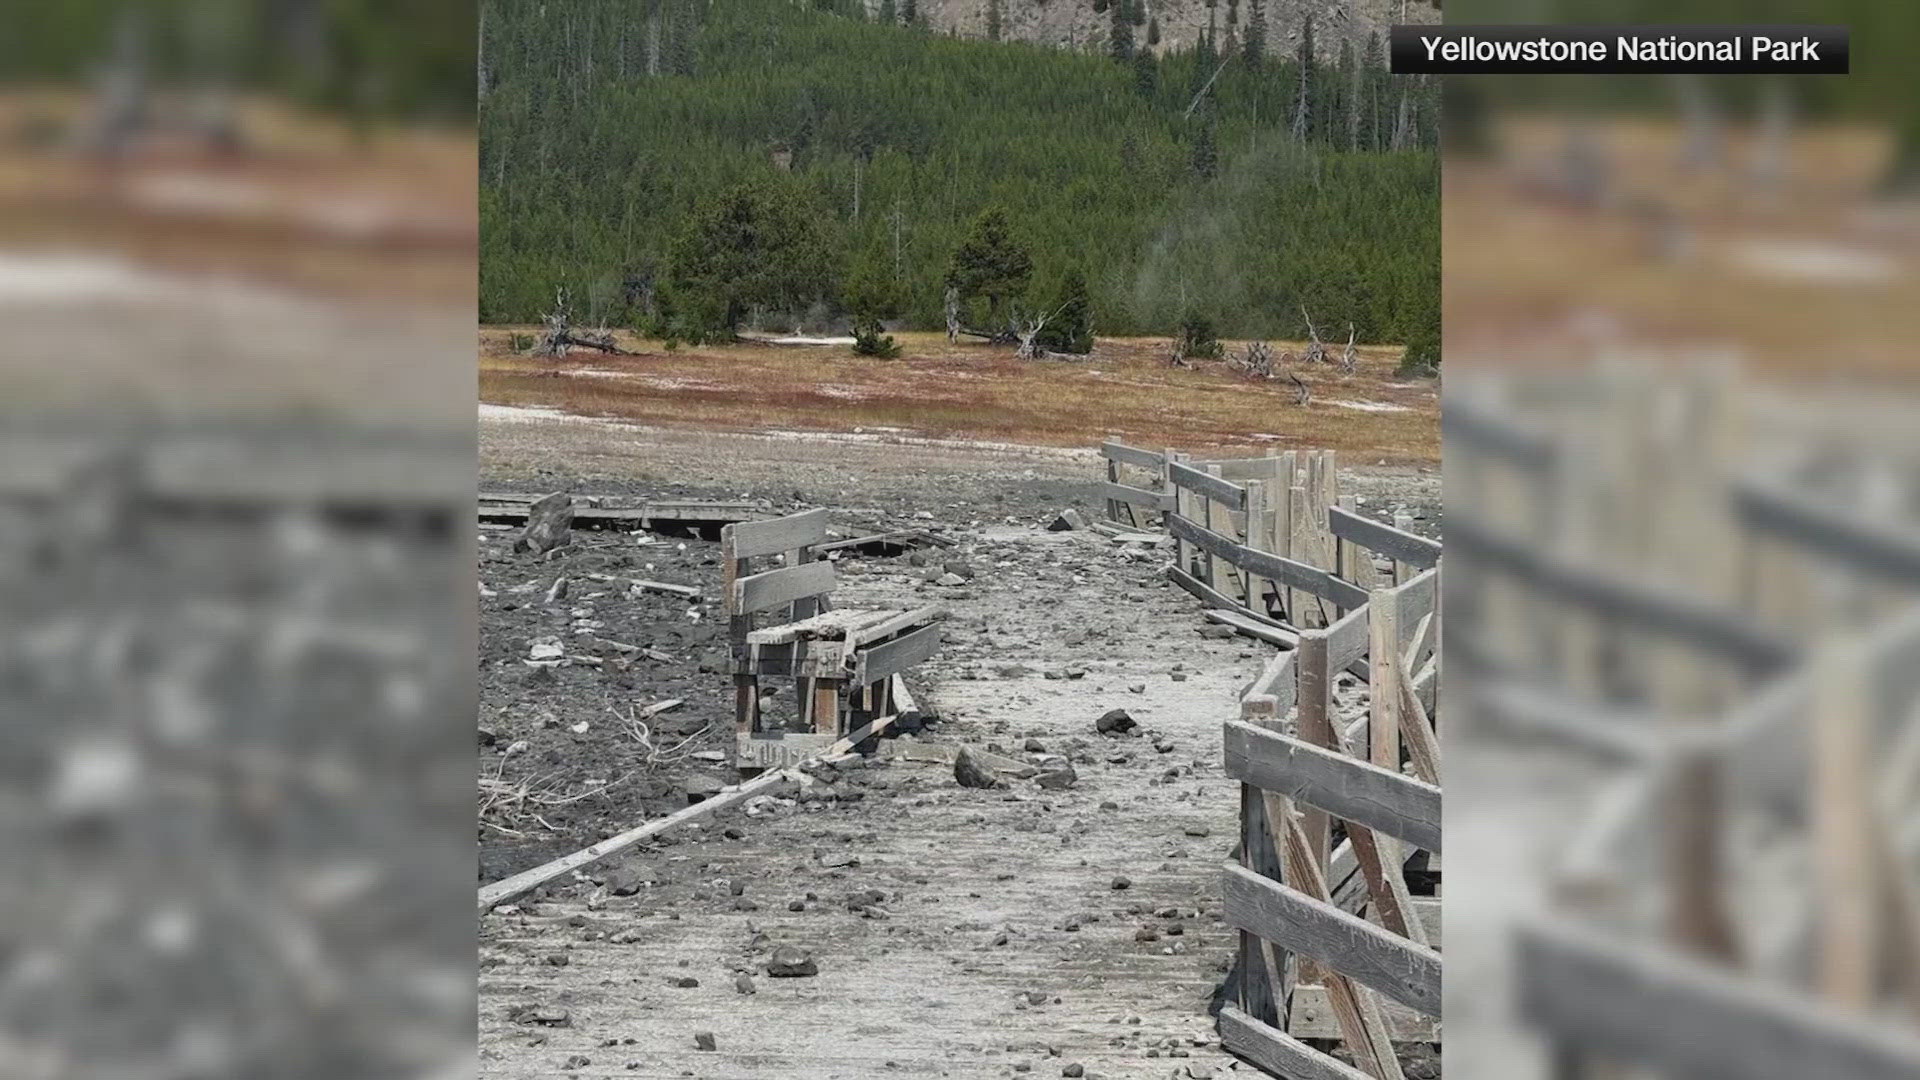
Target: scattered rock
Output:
[(743, 984), (549, 524), (1122, 882), (703, 1040), (1058, 778), (970, 773), (790, 962), (1069, 520), (1115, 722)]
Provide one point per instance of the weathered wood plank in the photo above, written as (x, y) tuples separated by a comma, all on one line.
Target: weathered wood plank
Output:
[(752, 539), (1198, 481), (893, 657), (1356, 948), (1159, 500), (1132, 455), (1252, 627), (1661, 611), (1347, 639), (1414, 598), (1279, 568), (1346, 787), (1311, 1017), (1681, 1017), (1214, 598), (1277, 1052), (1383, 539), (1880, 549), (771, 588)]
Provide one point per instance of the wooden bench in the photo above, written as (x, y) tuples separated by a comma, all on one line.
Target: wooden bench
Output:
[(843, 662)]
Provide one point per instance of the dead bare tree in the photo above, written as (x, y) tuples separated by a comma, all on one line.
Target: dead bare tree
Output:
[(558, 333), (1316, 349), (953, 314), (1256, 361), (1302, 392), (1349, 360)]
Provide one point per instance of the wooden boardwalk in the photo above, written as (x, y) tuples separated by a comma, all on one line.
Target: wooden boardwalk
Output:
[(1000, 941)]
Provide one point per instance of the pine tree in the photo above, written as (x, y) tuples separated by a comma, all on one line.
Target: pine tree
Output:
[(1255, 41), (990, 265), (1146, 74), (888, 14), (1069, 326), (1350, 87), (910, 12), (1303, 118), (755, 243), (1206, 154), (1120, 36), (993, 20), (1153, 30), (1373, 64)]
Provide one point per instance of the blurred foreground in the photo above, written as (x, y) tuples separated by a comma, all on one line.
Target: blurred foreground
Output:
[(236, 479), (1684, 645)]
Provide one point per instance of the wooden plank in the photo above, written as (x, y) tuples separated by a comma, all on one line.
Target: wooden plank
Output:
[(1239, 469), (1356, 948), (1415, 598), (1881, 549), (892, 657), (1355, 1007), (1383, 539), (1215, 599), (510, 889), (1271, 695), (752, 539), (771, 588), (1665, 612), (1132, 455), (1277, 1052), (1481, 426), (1347, 639), (1653, 1009), (1232, 495), (1310, 1016), (826, 626), (651, 586), (1359, 791), (1253, 627), (1162, 501), (1267, 565), (889, 627)]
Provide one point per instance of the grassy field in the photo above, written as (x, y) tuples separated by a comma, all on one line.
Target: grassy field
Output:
[(968, 391), (1809, 277)]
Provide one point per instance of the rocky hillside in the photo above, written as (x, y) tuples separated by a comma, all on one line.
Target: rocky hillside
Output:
[(1074, 23)]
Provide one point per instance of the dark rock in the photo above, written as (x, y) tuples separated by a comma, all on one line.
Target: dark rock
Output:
[(1058, 778), (969, 773), (789, 962), (703, 1040), (1069, 520), (743, 984), (1115, 722), (624, 883), (549, 524)]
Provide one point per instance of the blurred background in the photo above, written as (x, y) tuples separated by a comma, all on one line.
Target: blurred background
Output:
[(1680, 439), (236, 478)]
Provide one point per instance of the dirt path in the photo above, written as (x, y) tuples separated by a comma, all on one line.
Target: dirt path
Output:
[(1000, 942)]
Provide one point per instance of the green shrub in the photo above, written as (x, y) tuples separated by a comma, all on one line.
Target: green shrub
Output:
[(1198, 340), (871, 339)]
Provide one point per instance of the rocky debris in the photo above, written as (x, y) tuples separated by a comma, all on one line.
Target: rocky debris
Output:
[(540, 1015), (1068, 520), (549, 524), (970, 773), (960, 568), (703, 1040), (1122, 882), (1058, 777), (557, 591), (743, 984), (791, 962), (624, 882), (1115, 722)]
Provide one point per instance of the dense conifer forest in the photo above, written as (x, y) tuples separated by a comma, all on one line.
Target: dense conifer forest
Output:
[(683, 167)]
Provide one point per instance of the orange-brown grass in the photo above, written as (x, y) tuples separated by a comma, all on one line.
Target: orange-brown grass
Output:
[(1663, 261), (978, 392)]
